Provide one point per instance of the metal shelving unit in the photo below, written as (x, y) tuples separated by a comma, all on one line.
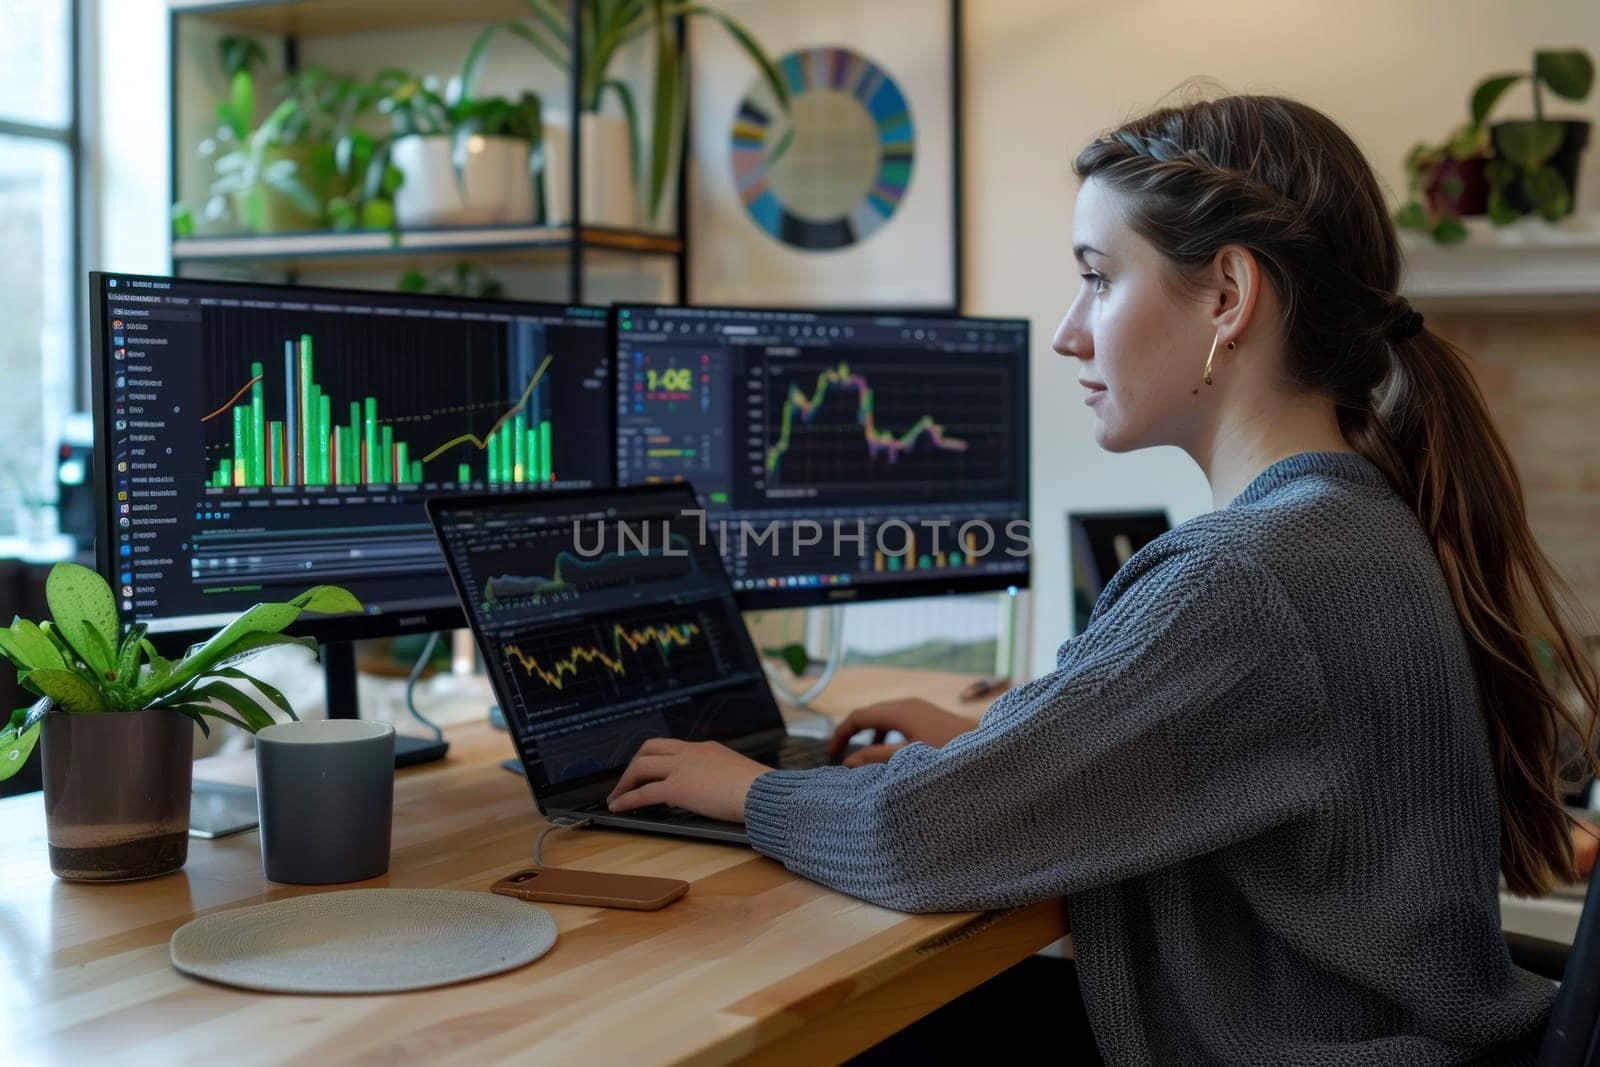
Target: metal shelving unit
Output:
[(294, 252)]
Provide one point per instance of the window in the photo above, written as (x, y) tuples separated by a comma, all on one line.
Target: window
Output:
[(38, 253)]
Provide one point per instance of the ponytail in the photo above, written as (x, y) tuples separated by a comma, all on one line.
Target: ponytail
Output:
[(1432, 436)]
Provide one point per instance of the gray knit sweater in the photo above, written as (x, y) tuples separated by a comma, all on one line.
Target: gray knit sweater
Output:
[(1261, 780)]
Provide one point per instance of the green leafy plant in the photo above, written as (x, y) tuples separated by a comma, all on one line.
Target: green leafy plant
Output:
[(608, 26), (244, 157), (422, 106), (83, 663), (1424, 163), (464, 279), (236, 113), (293, 155), (1525, 149), (324, 113)]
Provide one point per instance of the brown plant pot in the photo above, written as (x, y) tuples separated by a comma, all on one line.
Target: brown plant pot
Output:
[(116, 793), (1458, 188)]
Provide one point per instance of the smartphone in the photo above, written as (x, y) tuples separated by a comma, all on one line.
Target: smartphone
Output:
[(558, 885), (217, 809)]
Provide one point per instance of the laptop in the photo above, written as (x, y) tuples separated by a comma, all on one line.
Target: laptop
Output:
[(605, 618)]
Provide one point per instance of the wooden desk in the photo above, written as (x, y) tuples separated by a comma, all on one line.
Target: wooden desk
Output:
[(753, 964)]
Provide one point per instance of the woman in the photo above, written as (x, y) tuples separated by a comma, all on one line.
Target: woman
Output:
[(1279, 775)]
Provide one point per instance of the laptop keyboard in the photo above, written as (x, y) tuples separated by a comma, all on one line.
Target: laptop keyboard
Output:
[(796, 754)]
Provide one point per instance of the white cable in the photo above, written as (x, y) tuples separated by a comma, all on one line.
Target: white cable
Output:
[(555, 824), (830, 667), (411, 685)]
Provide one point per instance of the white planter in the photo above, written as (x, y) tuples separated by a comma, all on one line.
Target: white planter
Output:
[(495, 187), (610, 190)]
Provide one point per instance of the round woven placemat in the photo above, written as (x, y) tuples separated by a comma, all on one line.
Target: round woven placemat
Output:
[(364, 941)]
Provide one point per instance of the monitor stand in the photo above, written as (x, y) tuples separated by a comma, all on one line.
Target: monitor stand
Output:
[(339, 674)]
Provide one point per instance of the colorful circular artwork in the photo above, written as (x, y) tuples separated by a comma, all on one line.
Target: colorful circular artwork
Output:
[(832, 169)]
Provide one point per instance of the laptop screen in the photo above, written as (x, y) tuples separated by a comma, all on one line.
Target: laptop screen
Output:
[(606, 619)]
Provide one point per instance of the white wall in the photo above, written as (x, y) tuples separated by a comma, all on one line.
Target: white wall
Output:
[(1043, 76), (127, 158)]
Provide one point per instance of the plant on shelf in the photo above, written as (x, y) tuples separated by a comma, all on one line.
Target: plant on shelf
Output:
[(608, 27), (462, 160), (1445, 182), (324, 114), (287, 172), (464, 279), (114, 717), (1535, 168)]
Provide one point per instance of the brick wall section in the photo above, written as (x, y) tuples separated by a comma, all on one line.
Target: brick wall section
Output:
[(1540, 372)]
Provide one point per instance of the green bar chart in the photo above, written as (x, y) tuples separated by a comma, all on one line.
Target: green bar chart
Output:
[(518, 451), (368, 446)]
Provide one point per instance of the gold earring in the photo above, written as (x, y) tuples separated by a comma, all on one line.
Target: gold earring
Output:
[(1213, 355)]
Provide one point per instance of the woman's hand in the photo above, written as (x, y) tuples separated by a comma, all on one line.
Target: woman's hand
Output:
[(918, 720), (707, 778)]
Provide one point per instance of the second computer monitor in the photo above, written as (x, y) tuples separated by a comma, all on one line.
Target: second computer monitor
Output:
[(837, 456), (255, 440)]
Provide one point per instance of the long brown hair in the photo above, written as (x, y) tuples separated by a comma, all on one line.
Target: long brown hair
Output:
[(1283, 180)]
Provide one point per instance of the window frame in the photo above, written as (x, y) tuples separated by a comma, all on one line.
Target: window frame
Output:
[(71, 136)]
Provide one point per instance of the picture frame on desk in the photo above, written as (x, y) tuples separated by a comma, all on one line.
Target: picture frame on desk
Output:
[(849, 198), (1098, 544)]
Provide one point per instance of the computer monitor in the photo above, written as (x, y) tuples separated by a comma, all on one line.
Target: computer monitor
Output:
[(837, 456), (255, 440), (1098, 544)]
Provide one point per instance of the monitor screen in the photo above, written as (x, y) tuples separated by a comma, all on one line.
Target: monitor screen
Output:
[(837, 456), (255, 440)]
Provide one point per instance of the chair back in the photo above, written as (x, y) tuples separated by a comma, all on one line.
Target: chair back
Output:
[(1570, 1039)]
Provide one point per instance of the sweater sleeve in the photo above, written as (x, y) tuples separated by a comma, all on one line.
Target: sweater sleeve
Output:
[(1189, 717)]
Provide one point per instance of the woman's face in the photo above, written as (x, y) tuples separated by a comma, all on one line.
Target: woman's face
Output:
[(1141, 344)]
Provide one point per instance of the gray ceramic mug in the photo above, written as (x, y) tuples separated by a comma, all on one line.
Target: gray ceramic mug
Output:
[(325, 788)]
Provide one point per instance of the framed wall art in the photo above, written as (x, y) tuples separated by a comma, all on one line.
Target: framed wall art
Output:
[(848, 197)]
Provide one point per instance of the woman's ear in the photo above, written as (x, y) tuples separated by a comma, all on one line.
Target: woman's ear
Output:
[(1237, 288)]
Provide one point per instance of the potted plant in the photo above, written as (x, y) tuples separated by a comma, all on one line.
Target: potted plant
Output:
[(464, 161), (1446, 182), (1535, 168), (114, 719), (287, 172), (323, 124), (257, 184), (611, 143)]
